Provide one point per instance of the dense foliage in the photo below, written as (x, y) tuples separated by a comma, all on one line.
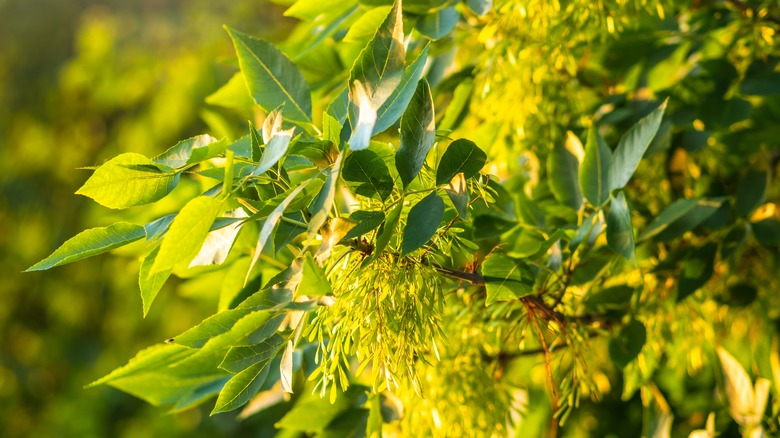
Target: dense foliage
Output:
[(465, 218)]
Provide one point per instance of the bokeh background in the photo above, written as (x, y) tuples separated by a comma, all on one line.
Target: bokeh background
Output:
[(82, 81)]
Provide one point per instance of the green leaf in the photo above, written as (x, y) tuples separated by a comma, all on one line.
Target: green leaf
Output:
[(418, 133), (241, 388), (423, 221), (459, 195), (218, 243), (150, 283), (456, 109), (461, 156), (680, 216), (751, 192), (233, 95), (438, 24), (187, 233), (321, 153), (91, 242), (594, 169), (272, 79), (314, 282), (365, 221), (480, 7), (386, 232), (242, 357), (627, 345), (380, 66), (156, 356), (615, 297), (767, 232), (312, 413), (620, 233), (563, 172), (271, 221), (367, 175), (632, 147), (697, 270), (395, 105), (276, 142), (124, 182), (192, 150), (286, 368), (506, 279), (213, 326), (322, 204)]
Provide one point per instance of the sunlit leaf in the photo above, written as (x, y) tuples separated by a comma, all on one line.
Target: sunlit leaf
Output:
[(395, 105), (365, 221), (240, 358), (680, 216), (241, 388), (121, 182), (286, 368), (91, 242), (314, 282), (506, 279), (150, 283), (459, 195), (192, 150), (272, 79), (187, 233)]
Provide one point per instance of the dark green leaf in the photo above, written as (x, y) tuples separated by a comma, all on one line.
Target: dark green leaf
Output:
[(272, 79), (386, 232), (563, 174), (767, 232), (367, 175), (438, 24), (480, 7), (459, 195), (424, 219), (751, 192), (632, 147), (241, 388), (91, 242), (418, 134), (365, 221), (461, 156), (187, 233), (117, 184), (396, 103), (506, 279), (697, 270), (610, 298), (680, 216), (620, 233), (627, 345), (594, 169), (240, 358)]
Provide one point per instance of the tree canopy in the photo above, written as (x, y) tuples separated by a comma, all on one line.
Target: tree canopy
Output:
[(471, 218)]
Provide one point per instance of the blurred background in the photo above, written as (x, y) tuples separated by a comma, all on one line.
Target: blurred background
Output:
[(82, 81)]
